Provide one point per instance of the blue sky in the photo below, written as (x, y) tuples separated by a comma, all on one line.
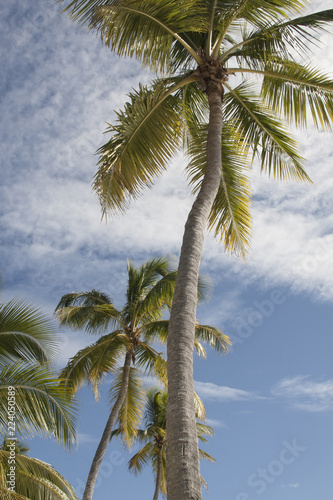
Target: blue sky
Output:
[(270, 400)]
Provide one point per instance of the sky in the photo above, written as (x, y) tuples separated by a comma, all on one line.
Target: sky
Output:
[(270, 400)]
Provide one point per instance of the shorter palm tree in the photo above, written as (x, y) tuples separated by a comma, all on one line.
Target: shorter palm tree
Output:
[(134, 328), (154, 437), (33, 478)]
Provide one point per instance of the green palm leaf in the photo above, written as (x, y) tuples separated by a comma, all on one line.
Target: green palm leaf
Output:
[(264, 133), (93, 362), (141, 458), (230, 214), (44, 407), (147, 135), (131, 411), (91, 310), (25, 332), (35, 479), (292, 88)]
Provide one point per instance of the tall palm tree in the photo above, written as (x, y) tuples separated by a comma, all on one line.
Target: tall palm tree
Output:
[(136, 326), (154, 437), (200, 47), (33, 478)]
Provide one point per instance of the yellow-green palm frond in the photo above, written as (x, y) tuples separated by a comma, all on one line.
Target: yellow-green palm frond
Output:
[(35, 479), (150, 290), (294, 89), (278, 39), (263, 132), (44, 406), (93, 362), (147, 134), (25, 333), (230, 215), (131, 410), (141, 458), (212, 336), (92, 310), (199, 407), (143, 29)]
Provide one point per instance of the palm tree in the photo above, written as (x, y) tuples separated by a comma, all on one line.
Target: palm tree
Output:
[(200, 47), (149, 292), (154, 437), (138, 324), (33, 478), (42, 405)]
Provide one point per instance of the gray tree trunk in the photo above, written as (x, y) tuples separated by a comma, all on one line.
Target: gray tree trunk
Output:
[(101, 449), (158, 475), (183, 469)]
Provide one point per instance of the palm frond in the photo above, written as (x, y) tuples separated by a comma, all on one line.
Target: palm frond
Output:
[(230, 215), (44, 407), (37, 479), (293, 88), (267, 137), (91, 310), (147, 135), (141, 458), (25, 332), (212, 336), (131, 410), (93, 362)]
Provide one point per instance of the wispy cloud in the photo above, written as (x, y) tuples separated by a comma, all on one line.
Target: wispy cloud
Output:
[(301, 393), (209, 390)]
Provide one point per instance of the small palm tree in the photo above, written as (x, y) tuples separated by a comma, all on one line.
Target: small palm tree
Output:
[(34, 479), (154, 436), (135, 327)]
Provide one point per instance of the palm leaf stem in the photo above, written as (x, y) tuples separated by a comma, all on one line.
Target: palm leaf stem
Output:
[(280, 76)]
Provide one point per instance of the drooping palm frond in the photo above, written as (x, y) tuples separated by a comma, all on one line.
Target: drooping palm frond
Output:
[(267, 137), (147, 135), (93, 362), (91, 310), (25, 333), (293, 88), (141, 458), (34, 479), (143, 29), (43, 406), (131, 410), (212, 336), (230, 215)]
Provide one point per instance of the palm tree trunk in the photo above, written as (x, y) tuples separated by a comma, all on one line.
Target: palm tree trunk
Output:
[(183, 470), (158, 475), (100, 452)]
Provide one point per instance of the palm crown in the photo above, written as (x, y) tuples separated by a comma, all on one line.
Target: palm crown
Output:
[(192, 42)]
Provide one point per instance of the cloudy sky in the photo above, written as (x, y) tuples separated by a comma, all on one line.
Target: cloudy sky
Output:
[(270, 400)]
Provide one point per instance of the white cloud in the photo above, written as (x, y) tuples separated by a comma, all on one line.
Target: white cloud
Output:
[(208, 390), (85, 438), (215, 423), (301, 393)]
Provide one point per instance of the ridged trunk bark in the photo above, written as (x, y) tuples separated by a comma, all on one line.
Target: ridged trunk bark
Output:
[(103, 444), (183, 469), (158, 475)]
